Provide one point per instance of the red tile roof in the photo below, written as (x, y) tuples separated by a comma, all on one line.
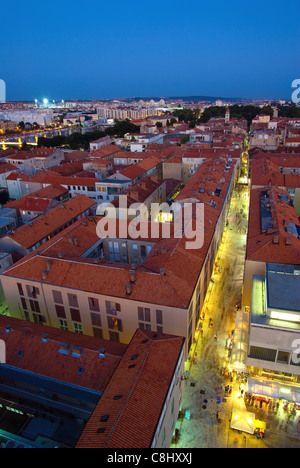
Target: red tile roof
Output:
[(7, 167), (272, 246), (28, 337), (29, 234), (181, 265), (39, 205), (141, 382), (105, 151), (49, 192)]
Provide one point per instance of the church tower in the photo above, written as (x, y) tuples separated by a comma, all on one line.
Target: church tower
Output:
[(227, 115)]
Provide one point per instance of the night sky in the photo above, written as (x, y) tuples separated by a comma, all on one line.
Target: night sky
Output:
[(95, 49)]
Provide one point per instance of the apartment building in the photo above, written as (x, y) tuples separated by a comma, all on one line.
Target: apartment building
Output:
[(29, 162), (69, 283), (8, 220), (63, 400), (105, 152), (5, 170), (280, 170), (24, 161), (273, 234), (20, 185), (142, 196), (31, 236), (96, 144), (266, 139), (39, 202), (152, 361), (119, 182), (271, 295)]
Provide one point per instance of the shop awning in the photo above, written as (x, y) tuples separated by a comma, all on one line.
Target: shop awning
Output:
[(243, 421), (273, 389)]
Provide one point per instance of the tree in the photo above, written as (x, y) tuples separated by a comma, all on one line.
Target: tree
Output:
[(185, 139)]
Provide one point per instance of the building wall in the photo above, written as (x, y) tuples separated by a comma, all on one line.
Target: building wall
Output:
[(251, 268), (51, 160), (166, 424), (173, 320), (274, 339), (172, 171)]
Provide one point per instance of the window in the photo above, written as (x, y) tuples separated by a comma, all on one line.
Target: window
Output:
[(144, 314), (20, 289), (114, 336), (159, 317), (264, 354), (63, 325), (77, 328), (112, 307), (283, 357), (96, 319), (24, 303), (114, 323), (159, 329), (35, 307), (57, 297), (37, 318), (93, 304), (75, 315), (32, 291), (97, 332), (73, 301), (60, 311)]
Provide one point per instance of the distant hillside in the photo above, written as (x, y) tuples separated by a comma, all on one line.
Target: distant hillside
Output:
[(183, 98)]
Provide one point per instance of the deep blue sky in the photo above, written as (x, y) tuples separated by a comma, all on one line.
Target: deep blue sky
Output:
[(94, 49)]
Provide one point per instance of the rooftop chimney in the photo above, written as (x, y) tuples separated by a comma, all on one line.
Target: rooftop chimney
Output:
[(132, 276), (128, 289), (45, 272)]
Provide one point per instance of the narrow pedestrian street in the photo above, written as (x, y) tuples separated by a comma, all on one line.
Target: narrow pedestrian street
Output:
[(205, 419)]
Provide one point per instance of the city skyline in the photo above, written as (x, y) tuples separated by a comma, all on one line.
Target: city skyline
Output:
[(67, 52)]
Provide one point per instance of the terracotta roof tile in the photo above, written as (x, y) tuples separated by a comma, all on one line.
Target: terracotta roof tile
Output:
[(29, 234), (181, 266), (135, 396), (276, 245), (28, 337)]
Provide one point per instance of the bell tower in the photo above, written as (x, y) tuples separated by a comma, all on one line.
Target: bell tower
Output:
[(227, 115)]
